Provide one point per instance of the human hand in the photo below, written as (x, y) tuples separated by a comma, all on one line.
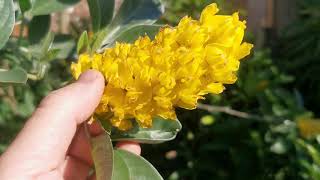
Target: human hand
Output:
[(53, 144)]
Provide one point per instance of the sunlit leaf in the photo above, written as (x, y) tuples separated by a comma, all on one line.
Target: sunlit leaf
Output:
[(162, 130), (7, 19), (83, 43), (128, 166)]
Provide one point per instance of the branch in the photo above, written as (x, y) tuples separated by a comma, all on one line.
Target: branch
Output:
[(228, 110)]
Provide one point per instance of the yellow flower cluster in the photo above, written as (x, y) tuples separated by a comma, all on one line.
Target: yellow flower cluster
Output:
[(182, 64)]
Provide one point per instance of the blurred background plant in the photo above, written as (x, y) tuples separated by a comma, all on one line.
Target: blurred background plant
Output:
[(264, 127)]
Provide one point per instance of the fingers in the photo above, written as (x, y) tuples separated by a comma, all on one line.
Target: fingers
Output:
[(80, 146), (43, 142), (73, 168), (130, 146)]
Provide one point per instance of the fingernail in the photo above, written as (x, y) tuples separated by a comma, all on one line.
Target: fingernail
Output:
[(88, 76)]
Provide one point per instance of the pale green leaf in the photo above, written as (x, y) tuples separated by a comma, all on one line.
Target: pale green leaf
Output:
[(129, 166), (7, 19), (43, 7), (83, 43), (162, 130), (14, 76), (130, 35)]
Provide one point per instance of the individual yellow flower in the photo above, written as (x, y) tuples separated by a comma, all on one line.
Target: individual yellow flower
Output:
[(182, 64)]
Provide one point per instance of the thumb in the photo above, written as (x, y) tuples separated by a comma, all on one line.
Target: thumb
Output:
[(45, 138)]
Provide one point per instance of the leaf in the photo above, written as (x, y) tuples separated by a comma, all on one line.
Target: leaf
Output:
[(102, 154), (41, 7), (106, 10), (25, 5), (95, 14), (14, 76), (51, 55), (138, 12), (83, 43), (46, 43), (130, 14), (105, 121), (98, 39), (39, 28), (7, 19), (132, 34), (120, 168), (128, 166), (101, 12), (162, 130)]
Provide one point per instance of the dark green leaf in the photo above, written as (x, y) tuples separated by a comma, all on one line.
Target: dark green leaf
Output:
[(25, 5), (132, 34), (95, 14), (38, 28), (106, 10), (128, 166), (14, 76), (7, 19), (162, 130), (131, 14), (41, 7), (83, 43), (102, 154), (101, 12), (138, 12)]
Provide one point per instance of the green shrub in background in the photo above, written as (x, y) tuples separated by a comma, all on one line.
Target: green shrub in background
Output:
[(41, 58), (251, 131), (299, 52)]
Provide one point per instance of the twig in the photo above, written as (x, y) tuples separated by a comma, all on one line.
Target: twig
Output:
[(228, 110)]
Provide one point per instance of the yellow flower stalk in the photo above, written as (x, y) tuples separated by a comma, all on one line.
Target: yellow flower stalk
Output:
[(182, 64)]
